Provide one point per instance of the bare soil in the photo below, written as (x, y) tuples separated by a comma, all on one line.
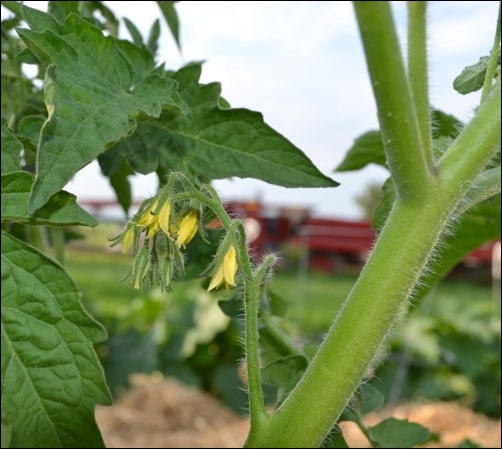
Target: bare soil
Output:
[(158, 412)]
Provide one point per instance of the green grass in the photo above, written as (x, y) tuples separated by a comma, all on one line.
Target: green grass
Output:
[(99, 275), (312, 301)]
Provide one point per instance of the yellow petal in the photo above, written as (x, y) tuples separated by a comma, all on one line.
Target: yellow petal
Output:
[(164, 215), (217, 279), (187, 228), (153, 229), (127, 240), (230, 267), (147, 218)]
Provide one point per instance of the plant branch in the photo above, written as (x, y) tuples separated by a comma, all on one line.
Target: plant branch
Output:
[(361, 327), (258, 413), (418, 74), (486, 185), (474, 146), (399, 126), (492, 63)]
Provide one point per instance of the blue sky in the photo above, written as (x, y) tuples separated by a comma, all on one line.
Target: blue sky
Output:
[(301, 64)]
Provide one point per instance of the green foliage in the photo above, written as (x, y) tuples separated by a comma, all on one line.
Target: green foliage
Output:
[(367, 149), (61, 209), (472, 77), (48, 362), (103, 98), (79, 59), (467, 443), (334, 439), (449, 346), (11, 150), (397, 433), (171, 17), (371, 399), (211, 143), (6, 431), (390, 432), (108, 99), (284, 373)]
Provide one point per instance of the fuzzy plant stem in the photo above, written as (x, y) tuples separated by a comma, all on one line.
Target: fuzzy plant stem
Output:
[(252, 295), (252, 289), (414, 227), (492, 63)]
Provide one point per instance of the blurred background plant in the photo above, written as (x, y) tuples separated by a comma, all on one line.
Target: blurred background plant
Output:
[(447, 349)]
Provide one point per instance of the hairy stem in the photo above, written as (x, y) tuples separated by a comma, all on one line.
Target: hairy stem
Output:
[(409, 163), (386, 283), (418, 73), (492, 63), (420, 215), (252, 281), (474, 146), (389, 277), (486, 185), (258, 413)]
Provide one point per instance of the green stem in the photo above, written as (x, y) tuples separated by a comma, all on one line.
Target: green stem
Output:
[(486, 185), (36, 237), (58, 243), (390, 275), (409, 164), (418, 73), (213, 204), (264, 269), (386, 283), (474, 146), (492, 63), (406, 243), (258, 413)]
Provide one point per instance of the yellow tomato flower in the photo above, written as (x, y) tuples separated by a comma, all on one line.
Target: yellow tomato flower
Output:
[(225, 273), (153, 228), (148, 217), (154, 222), (187, 229), (127, 239), (163, 217)]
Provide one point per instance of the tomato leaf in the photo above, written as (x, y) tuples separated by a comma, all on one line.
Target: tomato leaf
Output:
[(112, 82), (398, 433), (51, 376), (11, 150), (61, 209), (472, 77), (214, 143), (169, 13)]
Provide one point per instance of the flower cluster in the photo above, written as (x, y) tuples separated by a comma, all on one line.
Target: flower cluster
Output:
[(159, 232)]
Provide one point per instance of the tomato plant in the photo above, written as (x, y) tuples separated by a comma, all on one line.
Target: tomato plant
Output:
[(98, 97)]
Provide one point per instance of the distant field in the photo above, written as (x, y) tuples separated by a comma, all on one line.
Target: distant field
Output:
[(312, 301)]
